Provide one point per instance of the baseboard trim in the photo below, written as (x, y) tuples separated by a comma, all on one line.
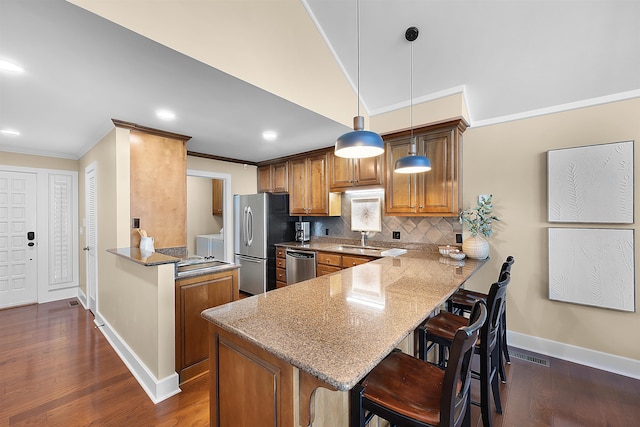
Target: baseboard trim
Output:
[(583, 356), (157, 390), (83, 299)]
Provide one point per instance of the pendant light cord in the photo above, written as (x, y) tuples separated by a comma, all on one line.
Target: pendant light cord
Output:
[(358, 38), (413, 146)]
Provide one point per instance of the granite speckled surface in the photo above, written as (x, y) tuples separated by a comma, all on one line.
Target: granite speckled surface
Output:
[(338, 327), (143, 257)]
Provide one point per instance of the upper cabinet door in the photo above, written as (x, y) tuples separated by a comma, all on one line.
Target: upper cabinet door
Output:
[(298, 184), (433, 193), (349, 173), (400, 194), (217, 196), (439, 186), (341, 173), (280, 177), (317, 185), (368, 171), (264, 179)]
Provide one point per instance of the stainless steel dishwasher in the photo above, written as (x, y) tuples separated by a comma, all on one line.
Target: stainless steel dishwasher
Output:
[(301, 265)]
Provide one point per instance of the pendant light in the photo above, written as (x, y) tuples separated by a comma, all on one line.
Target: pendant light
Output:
[(412, 163), (360, 143)]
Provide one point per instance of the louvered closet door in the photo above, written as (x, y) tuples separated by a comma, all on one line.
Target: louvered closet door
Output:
[(91, 246), (18, 262)]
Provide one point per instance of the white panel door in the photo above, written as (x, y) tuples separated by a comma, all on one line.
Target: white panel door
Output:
[(18, 244), (91, 247)]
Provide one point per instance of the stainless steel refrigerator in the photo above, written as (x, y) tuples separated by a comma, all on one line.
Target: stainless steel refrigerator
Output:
[(260, 221)]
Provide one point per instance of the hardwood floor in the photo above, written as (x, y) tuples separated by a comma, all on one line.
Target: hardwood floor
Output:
[(57, 369)]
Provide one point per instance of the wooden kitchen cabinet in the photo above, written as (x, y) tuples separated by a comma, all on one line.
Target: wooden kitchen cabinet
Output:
[(349, 173), (217, 196), (330, 262), (353, 260), (273, 178), (193, 295), (308, 187), (281, 268), (436, 192)]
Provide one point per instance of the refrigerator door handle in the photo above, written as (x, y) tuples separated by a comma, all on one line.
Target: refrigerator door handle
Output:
[(249, 226), (244, 226)]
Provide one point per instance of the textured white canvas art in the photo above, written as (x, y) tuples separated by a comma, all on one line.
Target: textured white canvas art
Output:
[(591, 184), (592, 267)]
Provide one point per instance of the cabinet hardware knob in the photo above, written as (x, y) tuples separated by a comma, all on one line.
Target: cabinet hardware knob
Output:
[(421, 206)]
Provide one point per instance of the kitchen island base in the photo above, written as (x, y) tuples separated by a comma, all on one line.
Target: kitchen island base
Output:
[(250, 387)]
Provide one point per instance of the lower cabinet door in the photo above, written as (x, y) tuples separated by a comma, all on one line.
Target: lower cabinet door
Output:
[(193, 295)]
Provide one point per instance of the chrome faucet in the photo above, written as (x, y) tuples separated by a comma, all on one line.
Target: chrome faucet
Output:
[(363, 240)]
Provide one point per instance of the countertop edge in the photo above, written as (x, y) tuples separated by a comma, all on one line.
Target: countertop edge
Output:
[(151, 258)]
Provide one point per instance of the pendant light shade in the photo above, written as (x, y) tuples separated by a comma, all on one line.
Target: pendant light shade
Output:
[(360, 143), (412, 163)]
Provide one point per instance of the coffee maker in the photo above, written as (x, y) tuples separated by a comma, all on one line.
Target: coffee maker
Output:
[(302, 231)]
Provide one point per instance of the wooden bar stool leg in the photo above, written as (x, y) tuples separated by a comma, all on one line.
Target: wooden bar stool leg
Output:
[(485, 388), (495, 361), (505, 348)]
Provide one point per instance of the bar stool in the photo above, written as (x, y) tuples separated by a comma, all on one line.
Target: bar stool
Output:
[(410, 392), (461, 303), (442, 328)]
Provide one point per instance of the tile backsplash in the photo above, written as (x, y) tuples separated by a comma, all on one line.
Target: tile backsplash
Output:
[(423, 230)]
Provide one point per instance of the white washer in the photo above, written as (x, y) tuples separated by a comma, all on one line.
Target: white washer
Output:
[(208, 245)]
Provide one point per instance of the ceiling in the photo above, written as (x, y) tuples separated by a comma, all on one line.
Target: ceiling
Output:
[(509, 58)]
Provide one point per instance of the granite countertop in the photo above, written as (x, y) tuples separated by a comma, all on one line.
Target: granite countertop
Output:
[(338, 327), (143, 257)]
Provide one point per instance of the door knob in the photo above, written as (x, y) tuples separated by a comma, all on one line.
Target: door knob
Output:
[(86, 248)]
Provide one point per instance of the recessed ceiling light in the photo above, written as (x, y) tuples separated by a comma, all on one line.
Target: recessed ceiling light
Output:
[(269, 135), (9, 132), (165, 114), (10, 66)]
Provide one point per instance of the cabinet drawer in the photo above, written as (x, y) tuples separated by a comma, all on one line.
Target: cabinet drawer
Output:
[(281, 262), (329, 259), (326, 269), (280, 252), (281, 275), (352, 261)]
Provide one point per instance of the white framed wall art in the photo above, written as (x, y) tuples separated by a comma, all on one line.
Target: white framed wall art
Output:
[(591, 184), (592, 266)]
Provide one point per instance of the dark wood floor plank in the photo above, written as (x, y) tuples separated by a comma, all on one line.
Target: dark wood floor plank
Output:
[(57, 369)]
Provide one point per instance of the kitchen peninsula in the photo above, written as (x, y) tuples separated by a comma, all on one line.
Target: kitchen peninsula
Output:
[(271, 352)]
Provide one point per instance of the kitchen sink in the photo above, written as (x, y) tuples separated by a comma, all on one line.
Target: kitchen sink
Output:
[(194, 266), (358, 249)]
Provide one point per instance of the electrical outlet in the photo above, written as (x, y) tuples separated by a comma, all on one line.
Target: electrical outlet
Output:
[(458, 238), (135, 222), (396, 234)]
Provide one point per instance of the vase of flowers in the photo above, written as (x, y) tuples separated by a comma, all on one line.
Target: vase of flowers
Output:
[(479, 223)]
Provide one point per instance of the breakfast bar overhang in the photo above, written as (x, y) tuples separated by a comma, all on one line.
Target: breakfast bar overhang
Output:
[(269, 353)]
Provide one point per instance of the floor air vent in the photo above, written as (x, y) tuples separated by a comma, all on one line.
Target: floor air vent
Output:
[(72, 303), (529, 358)]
